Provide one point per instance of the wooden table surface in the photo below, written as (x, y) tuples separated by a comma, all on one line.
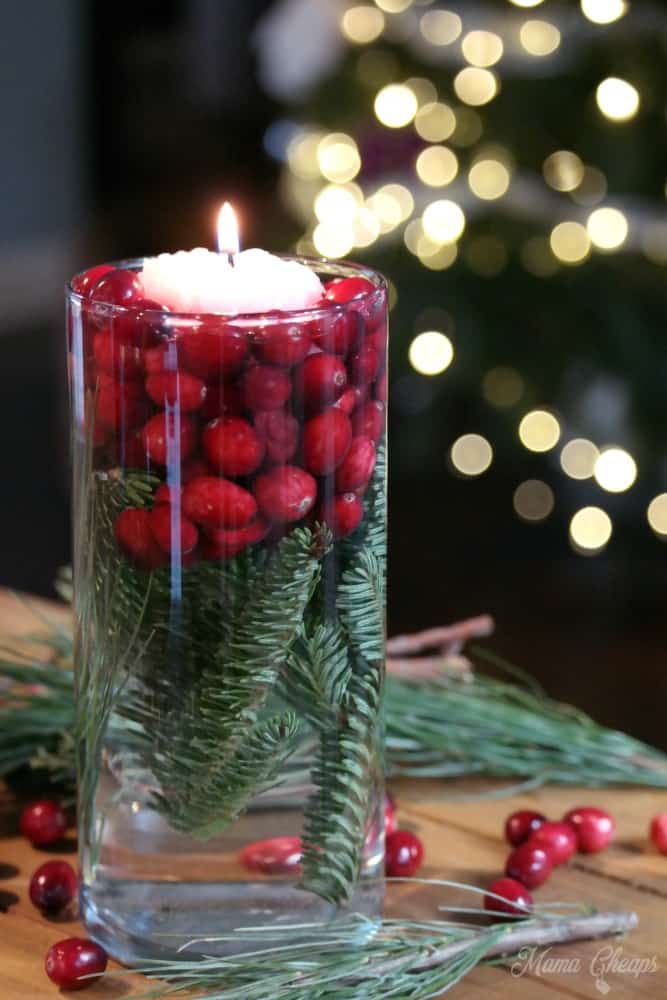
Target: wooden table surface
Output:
[(463, 842)]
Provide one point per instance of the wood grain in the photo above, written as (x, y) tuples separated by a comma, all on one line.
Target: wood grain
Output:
[(463, 843)]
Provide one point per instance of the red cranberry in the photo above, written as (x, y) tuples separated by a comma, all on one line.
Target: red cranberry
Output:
[(53, 886), (70, 960), (215, 350), (404, 854), (357, 467), (381, 389), (338, 332), (133, 531), (320, 380), (363, 366), (84, 283), (167, 494), (377, 339), (265, 387), (225, 543), (285, 493), (159, 359), (520, 825), (277, 856), (529, 865), (176, 389), (369, 420), (169, 437), (279, 432), (353, 397), (218, 503), (389, 815), (659, 832), (43, 823), (516, 901), (129, 451), (557, 839), (346, 289), (172, 531), (233, 446), (193, 469), (326, 440), (117, 287), (120, 404), (115, 358), (222, 401), (343, 514), (594, 828), (283, 344)]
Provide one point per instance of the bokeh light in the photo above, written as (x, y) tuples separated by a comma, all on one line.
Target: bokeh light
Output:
[(440, 259), (471, 455), (533, 500), (431, 352), (475, 86), (394, 6), (563, 170), (570, 242), (424, 90), (526, 3), (538, 258), (391, 204), (437, 166), (503, 386), (615, 470), (365, 227), (435, 122), (363, 24), (578, 458), (482, 48), (657, 514), (337, 201), (332, 239), (396, 105), (603, 11), (443, 221), (617, 99), (440, 27), (302, 155), (539, 431), (607, 228), (486, 256), (489, 179), (592, 189), (590, 530), (468, 129), (539, 38), (338, 157)]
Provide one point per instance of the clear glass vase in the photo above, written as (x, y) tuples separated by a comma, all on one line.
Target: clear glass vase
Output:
[(229, 558)]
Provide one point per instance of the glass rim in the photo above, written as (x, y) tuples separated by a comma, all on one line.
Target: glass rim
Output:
[(347, 268)]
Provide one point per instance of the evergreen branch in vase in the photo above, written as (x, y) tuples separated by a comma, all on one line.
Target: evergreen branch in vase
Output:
[(317, 672)]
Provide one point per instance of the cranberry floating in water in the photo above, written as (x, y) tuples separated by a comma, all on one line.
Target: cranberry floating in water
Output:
[(218, 503), (343, 514), (133, 531), (116, 358), (363, 366), (339, 332), (369, 420), (84, 283), (214, 350), (53, 886), (120, 404), (594, 828), (172, 531), (521, 824), (557, 839), (43, 823), (404, 854), (357, 467), (285, 493), (265, 387), (169, 437), (280, 433), (276, 856), (326, 440), (233, 446), (320, 381), (516, 901), (222, 401), (225, 543), (658, 832), (70, 960), (117, 287), (529, 865), (284, 344), (176, 389), (347, 289)]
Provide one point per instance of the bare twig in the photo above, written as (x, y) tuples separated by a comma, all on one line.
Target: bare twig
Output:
[(449, 639)]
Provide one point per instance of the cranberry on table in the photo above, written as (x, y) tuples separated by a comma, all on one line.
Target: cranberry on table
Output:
[(233, 446), (529, 865), (516, 901), (276, 856), (521, 824), (172, 531), (594, 828), (265, 387), (557, 839), (69, 960), (283, 344), (326, 441), (285, 493), (176, 389), (214, 502), (134, 534), (222, 400), (320, 380), (280, 433), (53, 886), (363, 366), (357, 467), (117, 287), (342, 513), (214, 350), (369, 420), (404, 854), (658, 832), (225, 543), (84, 283), (43, 823), (115, 358), (169, 437), (346, 289)]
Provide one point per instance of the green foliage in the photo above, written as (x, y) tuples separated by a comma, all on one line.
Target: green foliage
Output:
[(361, 604), (317, 673)]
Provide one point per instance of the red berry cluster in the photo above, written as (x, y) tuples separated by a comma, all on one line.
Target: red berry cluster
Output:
[(538, 847), (261, 427)]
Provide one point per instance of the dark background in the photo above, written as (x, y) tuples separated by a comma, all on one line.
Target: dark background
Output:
[(125, 126)]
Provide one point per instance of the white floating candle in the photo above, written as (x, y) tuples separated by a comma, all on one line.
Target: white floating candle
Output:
[(253, 281)]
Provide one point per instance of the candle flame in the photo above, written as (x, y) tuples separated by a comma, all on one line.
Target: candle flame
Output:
[(228, 230)]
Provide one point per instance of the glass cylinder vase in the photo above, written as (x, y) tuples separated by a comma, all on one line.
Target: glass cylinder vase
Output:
[(229, 561)]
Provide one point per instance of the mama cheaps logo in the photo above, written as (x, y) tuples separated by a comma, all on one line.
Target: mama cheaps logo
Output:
[(607, 962)]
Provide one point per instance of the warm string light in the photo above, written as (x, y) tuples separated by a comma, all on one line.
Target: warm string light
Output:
[(431, 352)]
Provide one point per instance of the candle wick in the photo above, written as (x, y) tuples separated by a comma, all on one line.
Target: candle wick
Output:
[(231, 258)]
